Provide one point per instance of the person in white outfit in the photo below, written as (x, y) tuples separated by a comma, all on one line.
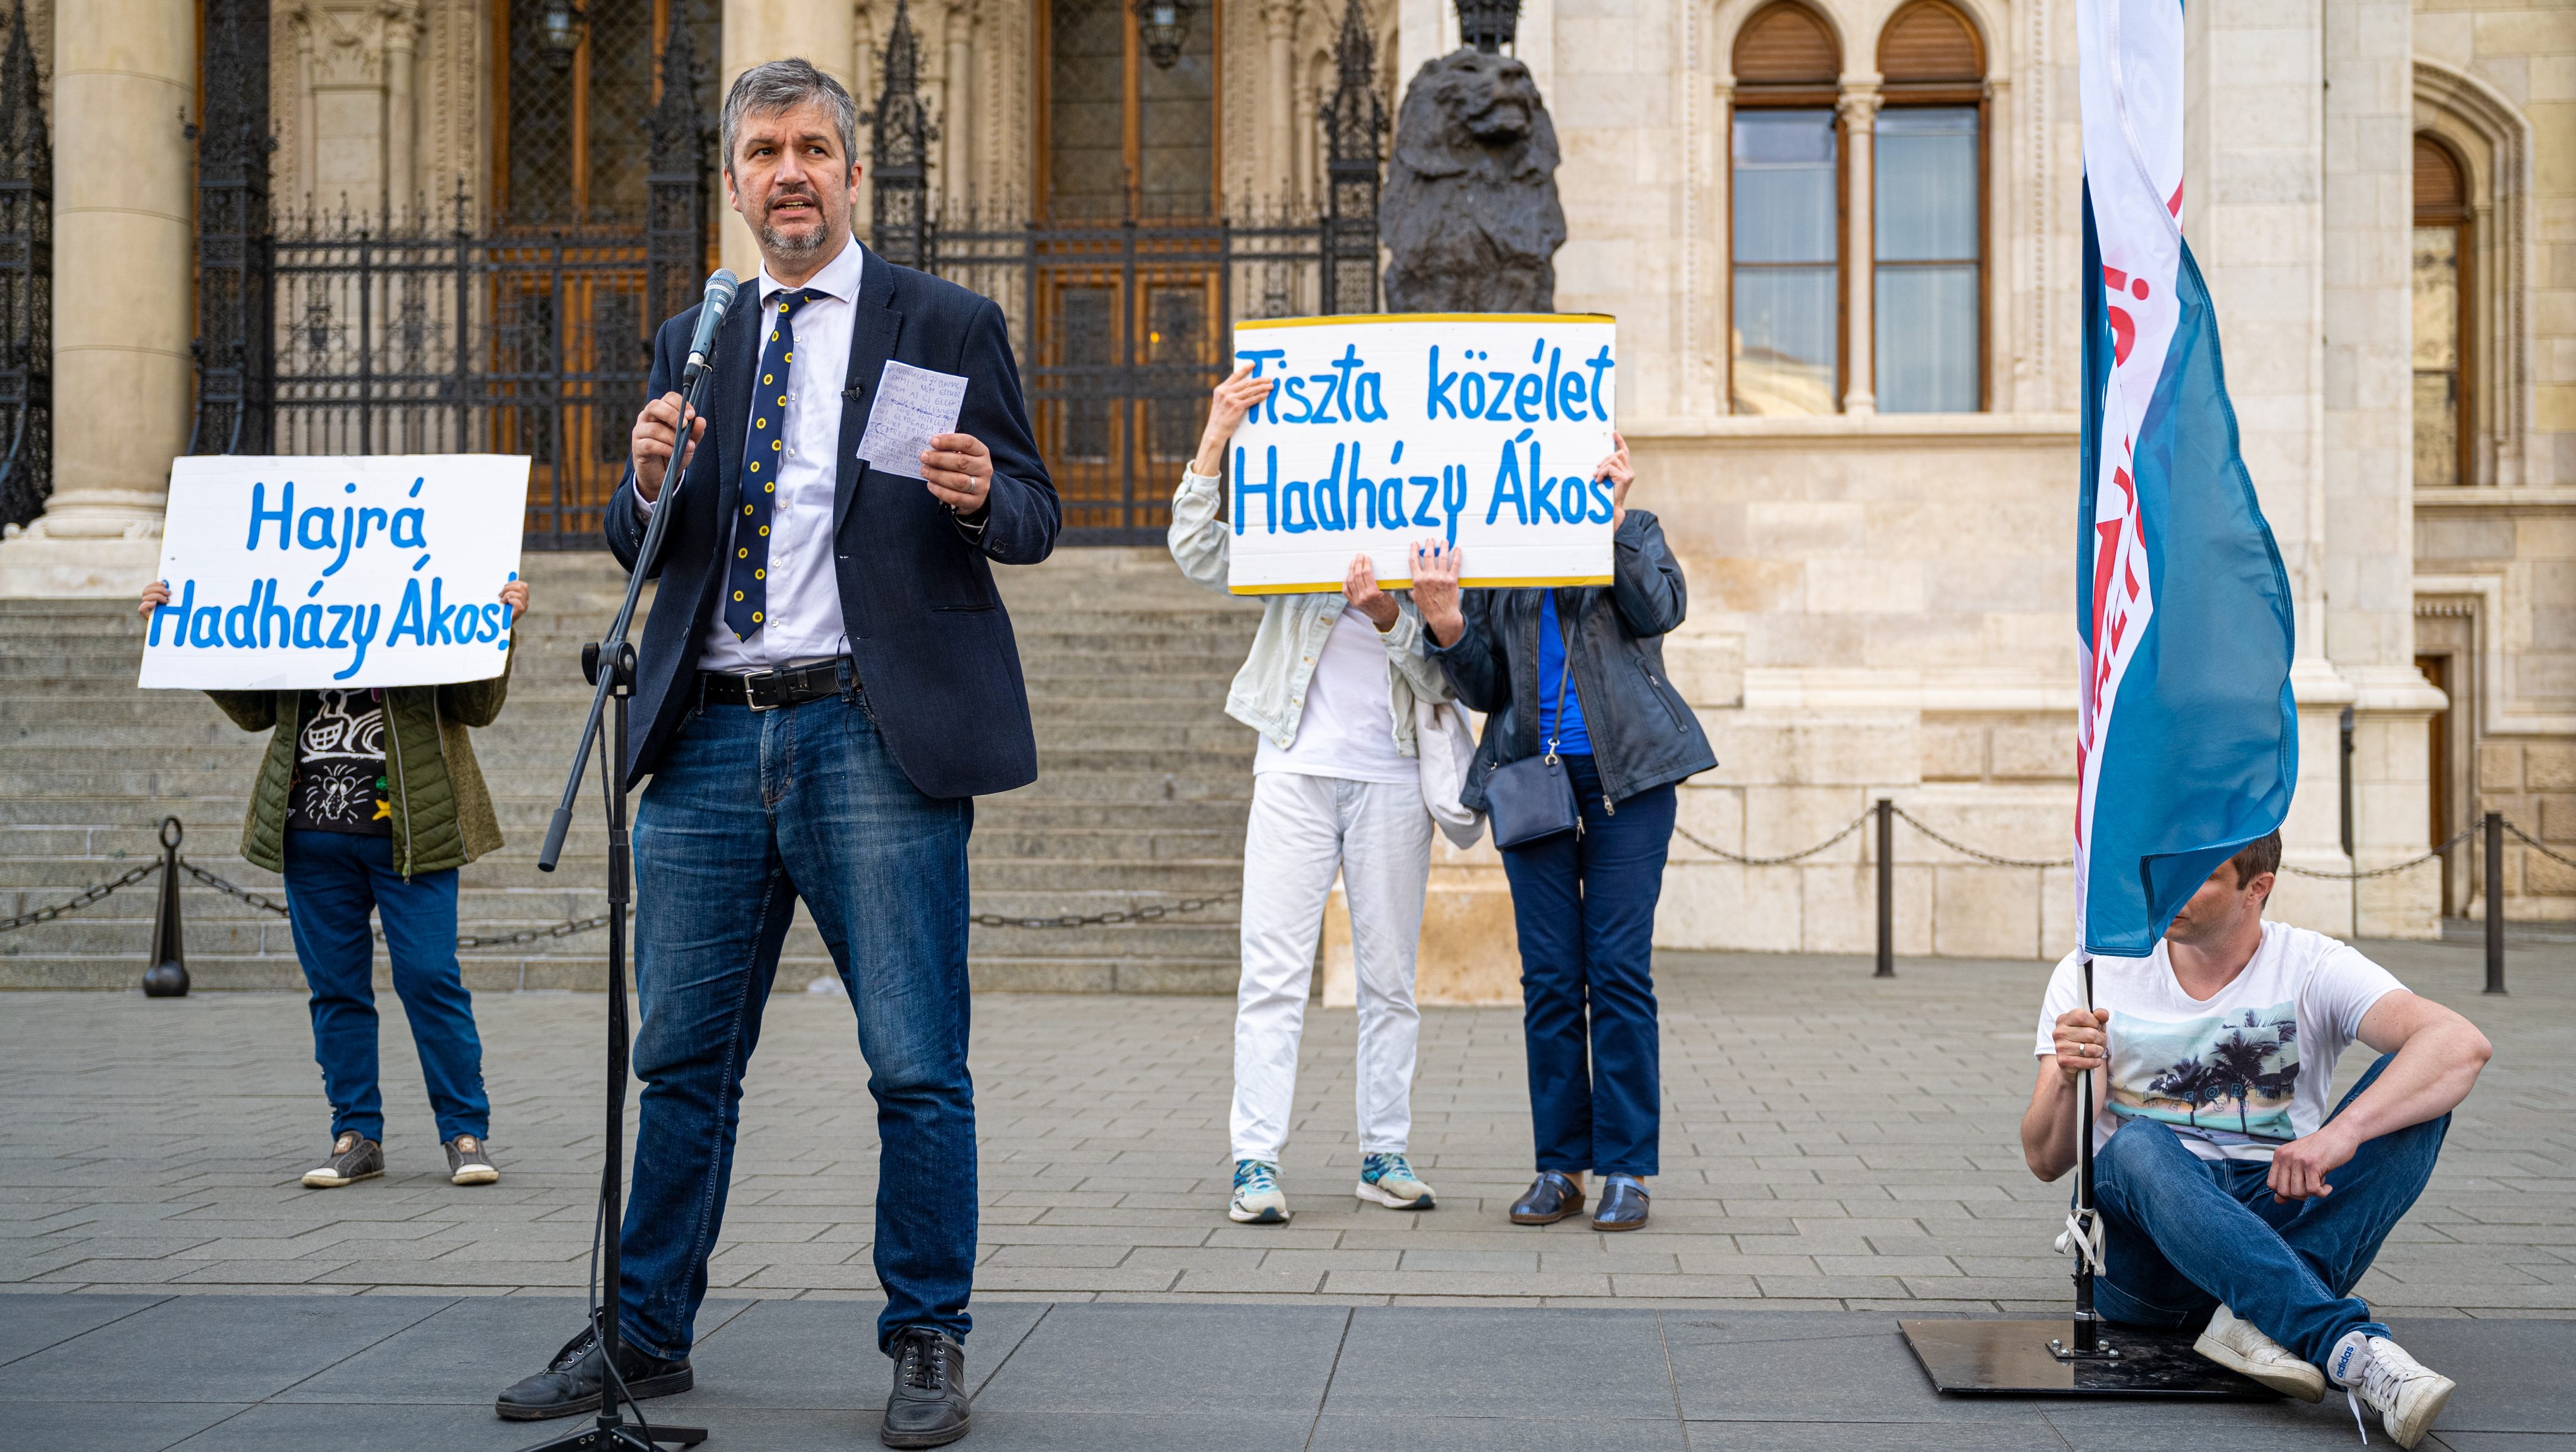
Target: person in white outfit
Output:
[(1330, 685)]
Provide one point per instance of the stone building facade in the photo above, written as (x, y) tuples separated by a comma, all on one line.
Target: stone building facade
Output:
[(1842, 240)]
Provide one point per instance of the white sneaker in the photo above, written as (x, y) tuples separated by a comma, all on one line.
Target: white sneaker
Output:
[(2406, 1394), (2242, 1349), (1258, 1200)]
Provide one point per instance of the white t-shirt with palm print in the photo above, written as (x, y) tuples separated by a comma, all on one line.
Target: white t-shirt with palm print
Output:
[(2241, 1074)]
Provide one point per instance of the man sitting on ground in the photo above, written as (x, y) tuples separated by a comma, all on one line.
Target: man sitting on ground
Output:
[(2228, 1193)]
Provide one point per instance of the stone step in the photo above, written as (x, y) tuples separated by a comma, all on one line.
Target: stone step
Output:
[(213, 821), (123, 943), (1043, 656), (174, 742), (125, 706), (504, 973), (38, 880)]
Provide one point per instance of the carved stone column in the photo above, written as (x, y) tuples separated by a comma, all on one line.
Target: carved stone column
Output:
[(125, 84), (1859, 108), (957, 117), (759, 30), (403, 26), (1282, 179), (358, 77)]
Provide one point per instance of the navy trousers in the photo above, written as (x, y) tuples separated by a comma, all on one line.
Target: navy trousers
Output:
[(333, 881), (1585, 906), (2182, 1234), (748, 813)]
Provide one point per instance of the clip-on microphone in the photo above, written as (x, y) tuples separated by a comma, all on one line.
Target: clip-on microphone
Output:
[(610, 666)]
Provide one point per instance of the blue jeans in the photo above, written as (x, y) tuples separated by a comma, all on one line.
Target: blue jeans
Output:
[(1585, 906), (333, 880), (2182, 1234), (748, 812)]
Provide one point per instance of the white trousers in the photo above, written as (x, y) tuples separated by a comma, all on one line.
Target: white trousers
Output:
[(1303, 828)]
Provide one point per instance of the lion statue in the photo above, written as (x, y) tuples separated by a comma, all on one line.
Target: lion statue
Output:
[(1470, 217)]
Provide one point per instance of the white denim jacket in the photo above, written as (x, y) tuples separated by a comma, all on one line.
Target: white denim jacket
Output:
[(1269, 693)]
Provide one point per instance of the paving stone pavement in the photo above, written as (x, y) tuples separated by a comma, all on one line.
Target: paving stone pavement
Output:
[(142, 1372), (1831, 1142)]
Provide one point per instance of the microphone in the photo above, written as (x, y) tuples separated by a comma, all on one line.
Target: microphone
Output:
[(721, 288)]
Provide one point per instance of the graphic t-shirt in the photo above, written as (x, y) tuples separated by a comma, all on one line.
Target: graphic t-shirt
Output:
[(2245, 1072), (1347, 729), (340, 781)]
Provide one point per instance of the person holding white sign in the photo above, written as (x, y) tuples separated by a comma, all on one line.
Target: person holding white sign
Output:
[(1575, 675), (368, 801), (1336, 787)]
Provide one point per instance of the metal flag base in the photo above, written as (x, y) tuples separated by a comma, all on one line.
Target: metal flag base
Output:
[(2028, 1359)]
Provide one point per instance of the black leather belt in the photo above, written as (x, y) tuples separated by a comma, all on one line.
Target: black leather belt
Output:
[(769, 690)]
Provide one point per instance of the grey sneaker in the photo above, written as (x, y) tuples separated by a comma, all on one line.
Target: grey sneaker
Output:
[(354, 1157), (469, 1162)]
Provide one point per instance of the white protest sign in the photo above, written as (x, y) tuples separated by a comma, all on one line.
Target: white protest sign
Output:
[(1480, 428), (311, 571)]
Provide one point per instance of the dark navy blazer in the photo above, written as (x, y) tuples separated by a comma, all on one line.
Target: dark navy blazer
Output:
[(933, 646)]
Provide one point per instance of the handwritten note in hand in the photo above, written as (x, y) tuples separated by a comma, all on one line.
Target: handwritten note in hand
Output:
[(913, 406)]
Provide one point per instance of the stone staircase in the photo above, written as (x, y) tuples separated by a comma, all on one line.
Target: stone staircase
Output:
[(1140, 799)]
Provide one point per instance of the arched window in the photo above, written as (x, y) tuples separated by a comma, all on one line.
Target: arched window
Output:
[(2443, 287), (1928, 214), (1787, 223)]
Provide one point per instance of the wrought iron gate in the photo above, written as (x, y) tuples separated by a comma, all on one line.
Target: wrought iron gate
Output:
[(1122, 327), (26, 285), (352, 334), (364, 335)]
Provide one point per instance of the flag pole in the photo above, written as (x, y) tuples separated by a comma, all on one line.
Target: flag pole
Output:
[(2086, 1342)]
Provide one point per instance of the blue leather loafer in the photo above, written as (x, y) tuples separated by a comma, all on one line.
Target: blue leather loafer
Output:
[(1623, 1203), (1551, 1198)]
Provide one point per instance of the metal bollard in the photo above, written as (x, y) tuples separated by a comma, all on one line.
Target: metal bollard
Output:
[(2495, 901), (1886, 811), (168, 975)]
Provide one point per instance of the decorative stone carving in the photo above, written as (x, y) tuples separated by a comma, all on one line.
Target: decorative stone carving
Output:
[(1470, 217), (346, 45)]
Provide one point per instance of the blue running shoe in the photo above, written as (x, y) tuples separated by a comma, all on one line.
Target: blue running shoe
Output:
[(1258, 1200), (1389, 1181)]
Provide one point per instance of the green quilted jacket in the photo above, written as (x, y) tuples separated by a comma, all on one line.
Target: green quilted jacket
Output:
[(442, 811)]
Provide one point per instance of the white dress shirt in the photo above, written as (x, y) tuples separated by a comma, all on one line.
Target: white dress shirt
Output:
[(803, 621)]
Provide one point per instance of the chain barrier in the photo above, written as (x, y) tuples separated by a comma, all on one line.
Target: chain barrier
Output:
[(1960, 847), (2533, 843), (2464, 834), (259, 900), (1159, 911), (1155, 913), (88, 896), (1963, 849), (566, 929), (1740, 860)]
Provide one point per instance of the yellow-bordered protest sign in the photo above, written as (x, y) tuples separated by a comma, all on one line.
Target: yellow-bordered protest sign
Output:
[(1478, 429)]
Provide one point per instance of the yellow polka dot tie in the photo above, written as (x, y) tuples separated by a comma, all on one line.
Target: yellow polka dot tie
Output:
[(747, 583)]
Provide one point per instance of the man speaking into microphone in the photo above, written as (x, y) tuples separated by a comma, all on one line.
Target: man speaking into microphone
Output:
[(826, 683)]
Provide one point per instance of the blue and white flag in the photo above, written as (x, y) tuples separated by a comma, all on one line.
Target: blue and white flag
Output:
[(2187, 737)]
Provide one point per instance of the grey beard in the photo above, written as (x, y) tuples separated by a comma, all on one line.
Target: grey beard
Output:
[(771, 239)]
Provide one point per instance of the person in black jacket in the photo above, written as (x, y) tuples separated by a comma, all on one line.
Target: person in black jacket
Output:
[(1584, 901), (827, 682)]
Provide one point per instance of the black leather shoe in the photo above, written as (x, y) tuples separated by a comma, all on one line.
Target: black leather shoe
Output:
[(1623, 1203), (569, 1386), (1551, 1198), (929, 1407)]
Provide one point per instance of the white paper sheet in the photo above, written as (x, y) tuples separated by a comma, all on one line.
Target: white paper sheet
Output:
[(913, 405)]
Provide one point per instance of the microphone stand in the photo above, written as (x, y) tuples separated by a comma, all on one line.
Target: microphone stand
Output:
[(610, 667)]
